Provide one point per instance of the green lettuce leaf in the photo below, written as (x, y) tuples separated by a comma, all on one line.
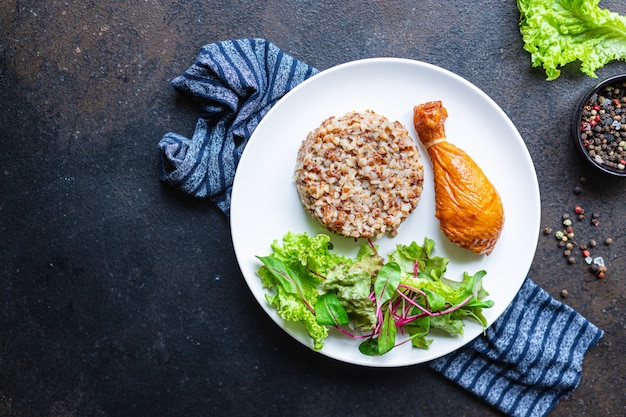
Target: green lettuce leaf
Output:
[(293, 271), (353, 289), (291, 308), (310, 256), (415, 258), (449, 301), (405, 295), (352, 285), (419, 329), (330, 311), (557, 32), (451, 324)]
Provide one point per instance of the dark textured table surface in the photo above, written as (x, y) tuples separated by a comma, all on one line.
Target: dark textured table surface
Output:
[(119, 296)]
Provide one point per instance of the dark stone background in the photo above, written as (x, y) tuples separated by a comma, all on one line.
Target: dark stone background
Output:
[(119, 296)]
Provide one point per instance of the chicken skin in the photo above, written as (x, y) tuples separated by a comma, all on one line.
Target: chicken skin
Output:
[(467, 204)]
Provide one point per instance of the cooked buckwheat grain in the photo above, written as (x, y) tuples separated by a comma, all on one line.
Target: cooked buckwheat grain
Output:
[(360, 175)]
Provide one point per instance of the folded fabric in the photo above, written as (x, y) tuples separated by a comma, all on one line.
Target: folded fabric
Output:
[(530, 357), (528, 360), (235, 83)]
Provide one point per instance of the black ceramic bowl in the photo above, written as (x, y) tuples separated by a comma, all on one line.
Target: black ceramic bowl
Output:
[(599, 127)]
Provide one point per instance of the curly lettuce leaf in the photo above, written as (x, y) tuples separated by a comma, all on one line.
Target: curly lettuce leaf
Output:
[(557, 32), (308, 255), (291, 308), (293, 271)]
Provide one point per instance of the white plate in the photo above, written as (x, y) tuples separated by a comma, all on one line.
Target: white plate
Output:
[(265, 202)]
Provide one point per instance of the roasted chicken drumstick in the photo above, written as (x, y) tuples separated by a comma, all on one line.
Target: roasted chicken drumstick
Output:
[(468, 206)]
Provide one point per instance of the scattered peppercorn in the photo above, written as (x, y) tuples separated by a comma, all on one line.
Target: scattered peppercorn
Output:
[(564, 293), (565, 237)]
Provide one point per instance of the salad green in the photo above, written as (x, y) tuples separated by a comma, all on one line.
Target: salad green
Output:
[(557, 32), (382, 302)]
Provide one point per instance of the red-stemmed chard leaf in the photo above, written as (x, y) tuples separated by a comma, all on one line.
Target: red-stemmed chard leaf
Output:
[(329, 311)]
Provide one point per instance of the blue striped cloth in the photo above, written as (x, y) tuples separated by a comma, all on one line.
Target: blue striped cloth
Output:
[(528, 360), (235, 83)]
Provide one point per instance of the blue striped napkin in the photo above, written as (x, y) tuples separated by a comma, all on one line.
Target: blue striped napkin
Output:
[(235, 84), (530, 357), (528, 360)]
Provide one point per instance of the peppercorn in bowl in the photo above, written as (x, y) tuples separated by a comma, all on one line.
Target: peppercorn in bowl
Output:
[(599, 127)]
